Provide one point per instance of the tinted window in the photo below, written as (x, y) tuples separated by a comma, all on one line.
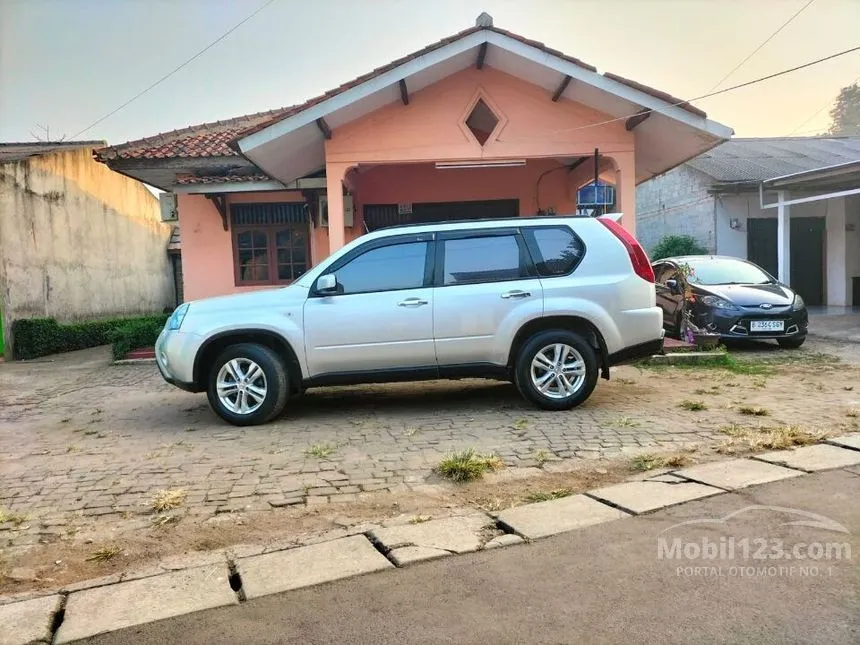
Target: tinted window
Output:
[(399, 266), (482, 259), (556, 250)]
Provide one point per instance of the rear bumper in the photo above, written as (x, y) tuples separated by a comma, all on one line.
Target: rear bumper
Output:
[(635, 352)]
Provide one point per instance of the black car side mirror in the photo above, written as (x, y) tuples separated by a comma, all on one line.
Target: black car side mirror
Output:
[(674, 287)]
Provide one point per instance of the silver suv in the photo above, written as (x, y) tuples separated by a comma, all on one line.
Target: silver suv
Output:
[(548, 303)]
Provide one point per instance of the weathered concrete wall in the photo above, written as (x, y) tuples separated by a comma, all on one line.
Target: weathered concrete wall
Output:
[(78, 241), (676, 203)]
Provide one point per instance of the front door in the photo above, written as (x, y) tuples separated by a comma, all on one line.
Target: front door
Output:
[(381, 318), (807, 258), (485, 290)]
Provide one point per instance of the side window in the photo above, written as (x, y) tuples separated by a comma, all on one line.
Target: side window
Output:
[(387, 268), (482, 259), (556, 250)]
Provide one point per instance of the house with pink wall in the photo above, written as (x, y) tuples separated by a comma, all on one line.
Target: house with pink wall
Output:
[(484, 123)]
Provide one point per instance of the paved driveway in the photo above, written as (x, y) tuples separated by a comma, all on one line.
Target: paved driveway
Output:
[(85, 439)]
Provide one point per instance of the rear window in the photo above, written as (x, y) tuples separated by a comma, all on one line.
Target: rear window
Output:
[(555, 249)]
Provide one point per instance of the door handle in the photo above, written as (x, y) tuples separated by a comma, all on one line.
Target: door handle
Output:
[(516, 293), (412, 302)]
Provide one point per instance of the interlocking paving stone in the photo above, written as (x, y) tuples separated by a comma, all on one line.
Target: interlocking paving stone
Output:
[(558, 515), (107, 609), (813, 458), (309, 565), (644, 496), (737, 473), (455, 534), (29, 621)]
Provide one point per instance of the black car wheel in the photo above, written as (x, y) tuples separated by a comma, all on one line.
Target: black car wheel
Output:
[(247, 384), (790, 343), (556, 369)]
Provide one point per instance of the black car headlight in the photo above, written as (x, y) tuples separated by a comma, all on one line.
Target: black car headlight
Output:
[(798, 303), (719, 303)]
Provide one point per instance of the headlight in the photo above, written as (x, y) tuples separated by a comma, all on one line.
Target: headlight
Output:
[(717, 302), (798, 303), (176, 318)]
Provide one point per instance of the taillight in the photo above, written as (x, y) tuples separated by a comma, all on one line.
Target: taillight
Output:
[(638, 257)]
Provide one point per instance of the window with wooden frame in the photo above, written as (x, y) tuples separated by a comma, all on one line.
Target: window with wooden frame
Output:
[(271, 243)]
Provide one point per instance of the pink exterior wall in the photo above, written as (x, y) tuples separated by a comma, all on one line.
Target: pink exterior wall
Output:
[(388, 156)]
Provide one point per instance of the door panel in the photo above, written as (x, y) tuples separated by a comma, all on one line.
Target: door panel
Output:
[(381, 316), (807, 258), (369, 331), (761, 243), (483, 289)]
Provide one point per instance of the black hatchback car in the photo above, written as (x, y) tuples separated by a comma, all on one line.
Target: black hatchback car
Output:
[(730, 297)]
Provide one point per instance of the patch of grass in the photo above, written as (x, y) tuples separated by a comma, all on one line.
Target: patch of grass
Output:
[(90, 432), (625, 422), (521, 424), (852, 413), (752, 438), (320, 450), (541, 457), (73, 448), (467, 465), (754, 411), (724, 362), (105, 553), (15, 518), (190, 429), (848, 388), (166, 500), (651, 461), (410, 432), (625, 381), (420, 519), (692, 406), (545, 496)]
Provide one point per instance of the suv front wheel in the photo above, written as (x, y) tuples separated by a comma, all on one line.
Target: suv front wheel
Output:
[(247, 384), (556, 369)]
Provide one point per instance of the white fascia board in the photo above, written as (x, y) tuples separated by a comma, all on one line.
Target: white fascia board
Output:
[(251, 186), (608, 85), (803, 200), (361, 91)]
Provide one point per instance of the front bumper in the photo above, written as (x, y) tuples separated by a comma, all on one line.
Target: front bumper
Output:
[(174, 355), (737, 324)]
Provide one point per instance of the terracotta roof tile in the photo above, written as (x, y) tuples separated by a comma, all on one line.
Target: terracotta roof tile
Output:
[(219, 179)]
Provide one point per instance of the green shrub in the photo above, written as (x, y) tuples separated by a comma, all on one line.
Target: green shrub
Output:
[(133, 335), (37, 337), (675, 245)]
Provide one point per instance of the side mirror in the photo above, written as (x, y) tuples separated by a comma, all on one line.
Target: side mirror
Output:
[(674, 287), (327, 284)]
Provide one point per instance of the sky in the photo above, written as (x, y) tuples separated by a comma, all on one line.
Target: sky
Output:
[(66, 63)]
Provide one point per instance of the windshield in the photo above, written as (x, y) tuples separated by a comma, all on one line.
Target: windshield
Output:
[(725, 271)]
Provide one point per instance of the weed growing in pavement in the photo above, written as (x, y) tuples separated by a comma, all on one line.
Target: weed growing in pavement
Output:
[(754, 411), (692, 406), (320, 450), (420, 519), (541, 457), (105, 553), (166, 500), (752, 438), (852, 413), (15, 518), (467, 465), (651, 461)]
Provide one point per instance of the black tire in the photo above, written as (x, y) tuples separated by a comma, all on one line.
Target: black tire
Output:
[(790, 343), (275, 379), (538, 342)]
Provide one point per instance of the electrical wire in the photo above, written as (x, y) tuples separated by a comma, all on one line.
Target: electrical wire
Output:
[(173, 71), (703, 96), (766, 41)]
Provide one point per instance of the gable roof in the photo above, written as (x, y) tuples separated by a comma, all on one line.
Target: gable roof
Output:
[(758, 159), (10, 152), (203, 140)]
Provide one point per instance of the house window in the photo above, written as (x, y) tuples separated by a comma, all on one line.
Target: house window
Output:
[(270, 242)]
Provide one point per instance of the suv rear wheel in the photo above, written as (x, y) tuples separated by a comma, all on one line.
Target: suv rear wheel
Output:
[(247, 384), (556, 369)]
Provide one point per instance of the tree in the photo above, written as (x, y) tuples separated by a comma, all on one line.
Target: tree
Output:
[(675, 245), (846, 113)]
